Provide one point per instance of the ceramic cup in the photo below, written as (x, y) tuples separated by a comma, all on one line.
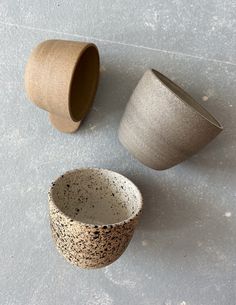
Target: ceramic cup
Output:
[(61, 77), (93, 214), (162, 125)]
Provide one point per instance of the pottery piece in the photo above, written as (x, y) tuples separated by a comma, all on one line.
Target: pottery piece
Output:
[(61, 77), (162, 125), (93, 214)]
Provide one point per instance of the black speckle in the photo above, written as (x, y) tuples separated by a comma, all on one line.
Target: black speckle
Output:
[(96, 226), (77, 210), (68, 185), (113, 194), (104, 227), (71, 220)]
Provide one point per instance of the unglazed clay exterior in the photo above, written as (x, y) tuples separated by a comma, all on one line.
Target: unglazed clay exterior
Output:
[(61, 77), (162, 125), (93, 214)]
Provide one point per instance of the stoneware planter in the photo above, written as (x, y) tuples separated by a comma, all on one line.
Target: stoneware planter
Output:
[(93, 214), (61, 77), (162, 125)]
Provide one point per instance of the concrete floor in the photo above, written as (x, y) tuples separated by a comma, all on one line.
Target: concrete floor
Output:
[(184, 251)]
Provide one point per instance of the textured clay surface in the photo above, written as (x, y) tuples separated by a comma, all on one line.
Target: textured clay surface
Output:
[(162, 125), (61, 77), (93, 213), (183, 251)]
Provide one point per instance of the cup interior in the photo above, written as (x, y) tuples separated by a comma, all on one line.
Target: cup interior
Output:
[(185, 97), (96, 196), (84, 83)]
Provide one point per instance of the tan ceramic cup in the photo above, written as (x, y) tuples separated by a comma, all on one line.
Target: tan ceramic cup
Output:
[(163, 125), (61, 77), (93, 214)]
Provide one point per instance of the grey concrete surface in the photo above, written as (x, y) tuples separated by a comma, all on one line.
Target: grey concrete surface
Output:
[(184, 251), (200, 28)]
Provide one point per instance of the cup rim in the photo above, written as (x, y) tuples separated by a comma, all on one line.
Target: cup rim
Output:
[(212, 120), (107, 225), (87, 46)]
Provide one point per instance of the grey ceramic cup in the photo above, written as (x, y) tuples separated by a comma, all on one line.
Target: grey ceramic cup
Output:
[(162, 125), (93, 214)]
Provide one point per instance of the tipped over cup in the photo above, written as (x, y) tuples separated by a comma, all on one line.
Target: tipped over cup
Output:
[(162, 125), (61, 77)]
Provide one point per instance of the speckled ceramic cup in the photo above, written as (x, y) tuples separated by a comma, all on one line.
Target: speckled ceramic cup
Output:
[(93, 214), (163, 125)]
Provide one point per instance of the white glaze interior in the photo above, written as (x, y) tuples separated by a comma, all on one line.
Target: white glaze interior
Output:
[(96, 196)]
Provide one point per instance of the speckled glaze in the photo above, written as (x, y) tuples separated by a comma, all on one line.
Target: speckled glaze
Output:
[(93, 214), (162, 125)]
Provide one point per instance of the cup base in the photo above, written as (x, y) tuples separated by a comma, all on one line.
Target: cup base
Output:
[(86, 264), (63, 125)]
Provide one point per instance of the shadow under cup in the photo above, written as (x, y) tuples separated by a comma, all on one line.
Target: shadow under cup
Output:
[(93, 214)]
